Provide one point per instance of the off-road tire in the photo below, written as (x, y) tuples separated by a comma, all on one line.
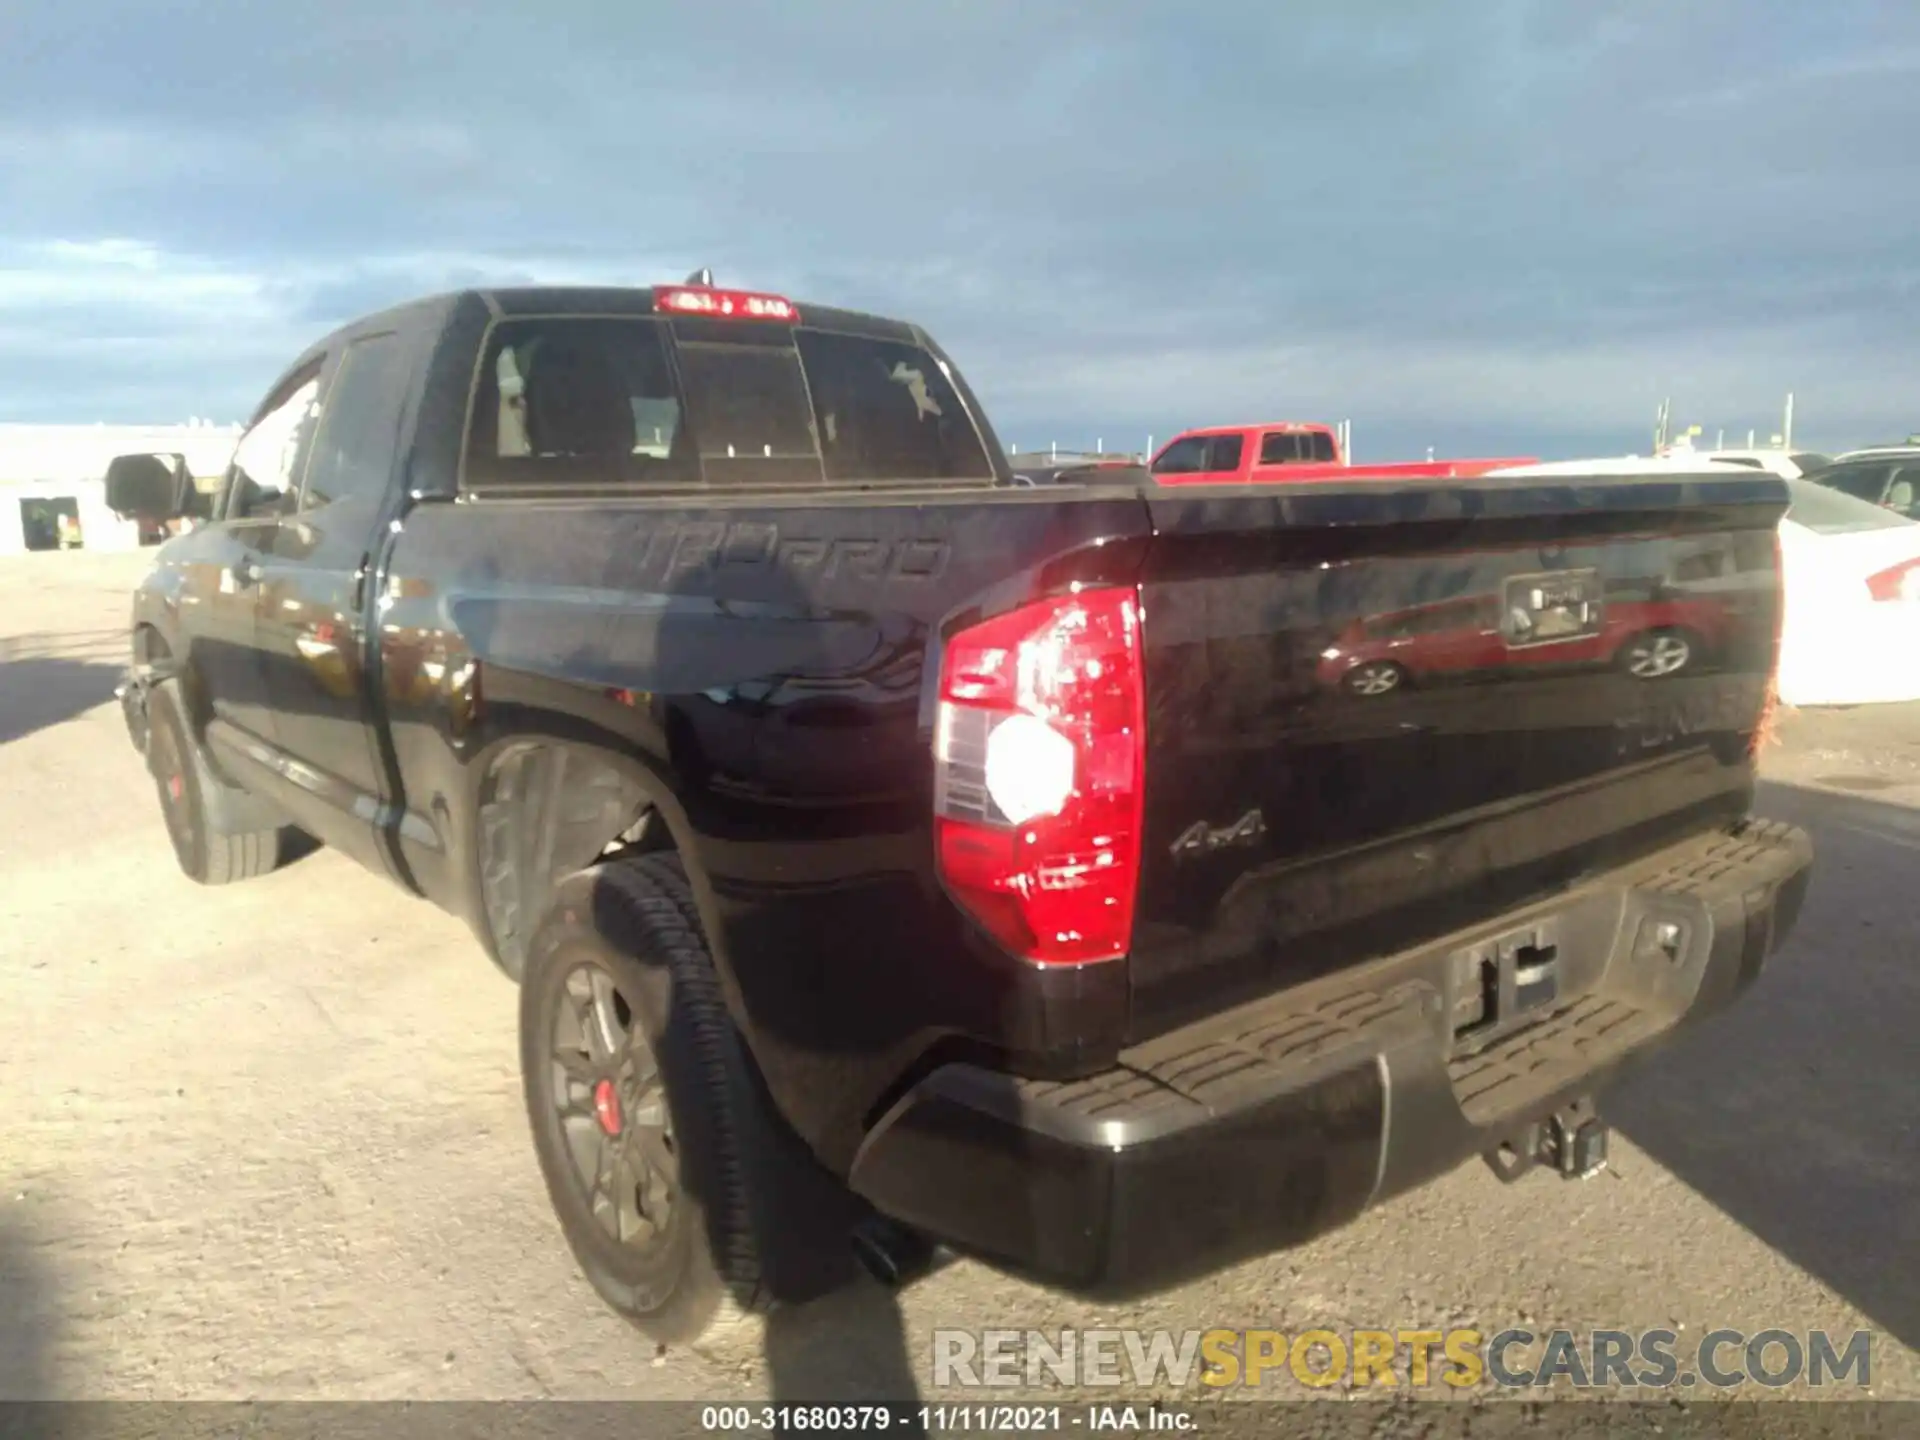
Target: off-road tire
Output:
[(756, 1220), (185, 783)]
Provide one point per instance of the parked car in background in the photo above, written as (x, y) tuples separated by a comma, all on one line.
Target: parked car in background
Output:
[(1280, 451), (1057, 467), (1670, 462), (1907, 446), (1850, 627), (1460, 639), (1888, 478), (1850, 572)]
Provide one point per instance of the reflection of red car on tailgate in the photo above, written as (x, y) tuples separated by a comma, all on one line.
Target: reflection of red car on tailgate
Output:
[(1652, 639)]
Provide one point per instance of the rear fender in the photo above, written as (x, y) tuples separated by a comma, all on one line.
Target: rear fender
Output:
[(546, 806)]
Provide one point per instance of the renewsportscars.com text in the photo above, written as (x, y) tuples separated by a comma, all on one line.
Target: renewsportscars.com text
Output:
[(1458, 1358)]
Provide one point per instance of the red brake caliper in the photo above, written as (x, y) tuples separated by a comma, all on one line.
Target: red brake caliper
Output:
[(606, 1107)]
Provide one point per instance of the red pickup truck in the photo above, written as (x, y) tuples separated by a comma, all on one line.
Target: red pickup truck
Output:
[(1285, 450)]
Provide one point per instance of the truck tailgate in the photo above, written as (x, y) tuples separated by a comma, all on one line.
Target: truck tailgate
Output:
[(1379, 715)]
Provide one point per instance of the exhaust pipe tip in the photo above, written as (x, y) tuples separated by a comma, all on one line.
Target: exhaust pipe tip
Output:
[(892, 1254)]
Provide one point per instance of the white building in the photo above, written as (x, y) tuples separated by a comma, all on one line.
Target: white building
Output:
[(60, 470)]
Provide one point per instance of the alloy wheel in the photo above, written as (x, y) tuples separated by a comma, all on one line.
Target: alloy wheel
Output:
[(1654, 656), (1375, 679), (611, 1105)]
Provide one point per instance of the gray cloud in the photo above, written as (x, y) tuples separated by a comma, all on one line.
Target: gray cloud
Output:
[(1515, 219)]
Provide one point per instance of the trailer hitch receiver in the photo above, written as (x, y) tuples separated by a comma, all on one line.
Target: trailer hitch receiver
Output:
[(1571, 1142)]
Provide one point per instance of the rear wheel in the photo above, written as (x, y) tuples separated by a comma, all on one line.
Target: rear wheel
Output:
[(187, 786), (681, 1192), (1658, 654)]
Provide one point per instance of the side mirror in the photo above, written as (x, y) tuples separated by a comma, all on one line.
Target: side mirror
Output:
[(147, 488)]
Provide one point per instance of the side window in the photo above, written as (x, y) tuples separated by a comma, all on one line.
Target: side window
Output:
[(1224, 452), (1863, 482), (1449, 616), (576, 401), (1903, 495), (263, 480), (1183, 457), (1384, 627), (353, 449)]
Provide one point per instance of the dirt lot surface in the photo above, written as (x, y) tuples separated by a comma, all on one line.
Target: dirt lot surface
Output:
[(267, 1140)]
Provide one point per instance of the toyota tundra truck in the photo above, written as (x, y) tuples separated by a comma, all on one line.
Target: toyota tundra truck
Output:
[(898, 862)]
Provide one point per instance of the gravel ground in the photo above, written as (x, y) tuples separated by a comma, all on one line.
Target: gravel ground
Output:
[(267, 1140)]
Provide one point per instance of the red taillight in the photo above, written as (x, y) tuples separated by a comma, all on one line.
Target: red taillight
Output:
[(725, 304), (1038, 755), (1901, 582)]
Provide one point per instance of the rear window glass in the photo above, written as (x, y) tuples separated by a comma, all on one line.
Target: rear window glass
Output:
[(595, 401), (1296, 447), (887, 411), (1829, 512), (746, 401)]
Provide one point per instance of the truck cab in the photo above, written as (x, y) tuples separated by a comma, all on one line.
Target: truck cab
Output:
[(1243, 454)]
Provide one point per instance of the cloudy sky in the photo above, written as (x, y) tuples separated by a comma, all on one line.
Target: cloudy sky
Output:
[(1491, 226)]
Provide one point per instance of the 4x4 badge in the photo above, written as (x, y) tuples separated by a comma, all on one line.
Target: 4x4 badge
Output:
[(1201, 838)]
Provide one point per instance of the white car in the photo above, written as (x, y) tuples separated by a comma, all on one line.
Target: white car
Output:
[(1787, 464), (1909, 450), (1850, 634), (1679, 464)]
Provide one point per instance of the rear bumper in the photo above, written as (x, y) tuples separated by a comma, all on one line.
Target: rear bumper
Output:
[(1267, 1126)]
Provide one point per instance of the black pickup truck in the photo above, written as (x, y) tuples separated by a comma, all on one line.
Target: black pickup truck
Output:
[(1104, 882)]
